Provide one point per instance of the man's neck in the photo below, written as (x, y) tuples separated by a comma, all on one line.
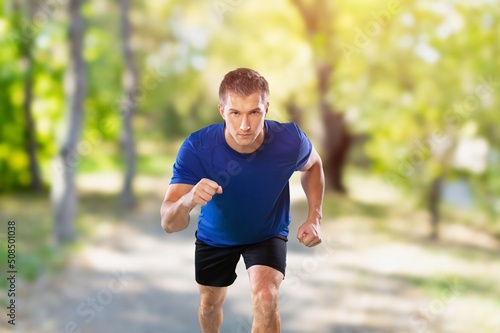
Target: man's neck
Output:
[(245, 149)]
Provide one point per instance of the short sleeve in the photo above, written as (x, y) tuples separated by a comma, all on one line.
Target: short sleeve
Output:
[(187, 165), (305, 148)]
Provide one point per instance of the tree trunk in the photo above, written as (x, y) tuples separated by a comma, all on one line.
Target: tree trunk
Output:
[(337, 138), (30, 129), (64, 187), (318, 17), (130, 80), (433, 204), (294, 112), (25, 52)]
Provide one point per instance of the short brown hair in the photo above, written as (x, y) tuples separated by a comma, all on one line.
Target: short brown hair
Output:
[(243, 82)]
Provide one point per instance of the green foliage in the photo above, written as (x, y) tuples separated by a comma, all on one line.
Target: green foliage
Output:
[(407, 75), (46, 105), (421, 74), (13, 163)]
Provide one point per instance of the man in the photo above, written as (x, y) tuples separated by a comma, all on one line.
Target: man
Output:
[(238, 171)]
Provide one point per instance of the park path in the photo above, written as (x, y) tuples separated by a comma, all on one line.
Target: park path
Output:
[(134, 278)]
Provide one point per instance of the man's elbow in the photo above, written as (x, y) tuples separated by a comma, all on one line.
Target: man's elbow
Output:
[(172, 220), (165, 225), (170, 225)]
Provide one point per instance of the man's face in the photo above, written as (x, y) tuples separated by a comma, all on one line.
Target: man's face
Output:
[(244, 116)]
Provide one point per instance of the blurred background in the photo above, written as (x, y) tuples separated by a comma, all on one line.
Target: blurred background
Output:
[(401, 99)]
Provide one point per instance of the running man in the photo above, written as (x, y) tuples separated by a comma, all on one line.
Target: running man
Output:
[(238, 172)]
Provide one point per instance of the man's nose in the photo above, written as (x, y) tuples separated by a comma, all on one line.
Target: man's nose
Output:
[(244, 126)]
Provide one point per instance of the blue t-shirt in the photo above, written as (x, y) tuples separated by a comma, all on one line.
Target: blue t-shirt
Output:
[(255, 203)]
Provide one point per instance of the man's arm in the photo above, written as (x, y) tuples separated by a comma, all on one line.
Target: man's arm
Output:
[(313, 183), (180, 199)]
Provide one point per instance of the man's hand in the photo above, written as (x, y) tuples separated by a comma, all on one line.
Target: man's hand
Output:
[(309, 233), (203, 192), (313, 183), (180, 199)]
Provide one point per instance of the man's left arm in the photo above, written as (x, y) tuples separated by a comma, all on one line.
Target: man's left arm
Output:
[(313, 183)]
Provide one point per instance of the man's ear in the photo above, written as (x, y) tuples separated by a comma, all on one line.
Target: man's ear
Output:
[(267, 109), (221, 111)]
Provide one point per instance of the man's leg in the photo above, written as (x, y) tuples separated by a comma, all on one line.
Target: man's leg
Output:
[(210, 310), (264, 283)]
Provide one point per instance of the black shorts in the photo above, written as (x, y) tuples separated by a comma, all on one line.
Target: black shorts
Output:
[(216, 266)]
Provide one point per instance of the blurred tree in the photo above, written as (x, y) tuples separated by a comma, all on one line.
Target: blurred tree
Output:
[(129, 105), (294, 111), (407, 76), (64, 186), (319, 18), (26, 57), (424, 90), (18, 156)]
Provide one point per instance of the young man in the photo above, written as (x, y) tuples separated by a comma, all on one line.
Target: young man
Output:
[(238, 171)]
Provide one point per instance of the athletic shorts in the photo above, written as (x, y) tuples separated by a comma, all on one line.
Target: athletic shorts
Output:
[(216, 266)]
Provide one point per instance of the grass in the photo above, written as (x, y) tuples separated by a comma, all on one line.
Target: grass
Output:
[(36, 253), (153, 158), (484, 287), (465, 265)]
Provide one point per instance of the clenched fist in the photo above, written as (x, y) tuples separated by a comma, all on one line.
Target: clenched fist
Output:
[(203, 192)]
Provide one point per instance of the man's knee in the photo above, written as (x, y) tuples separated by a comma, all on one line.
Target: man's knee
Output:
[(211, 300), (265, 299), (210, 310)]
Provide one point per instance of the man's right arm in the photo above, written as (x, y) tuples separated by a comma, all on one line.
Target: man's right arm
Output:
[(180, 199)]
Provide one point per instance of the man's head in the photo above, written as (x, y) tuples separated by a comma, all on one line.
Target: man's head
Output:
[(243, 104), (243, 82)]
